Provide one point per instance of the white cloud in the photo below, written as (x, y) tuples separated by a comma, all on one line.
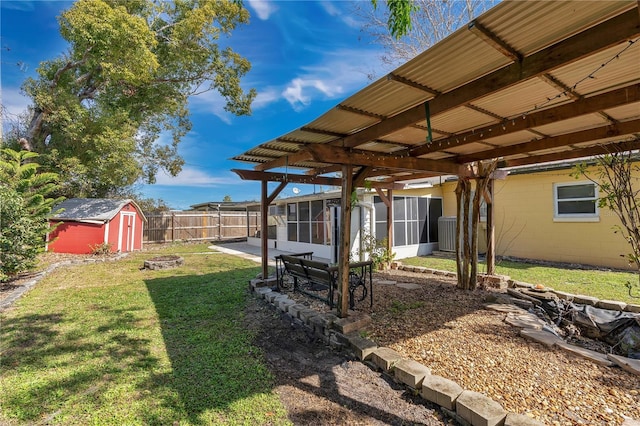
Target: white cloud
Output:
[(330, 8), (13, 102), (190, 176), (263, 8), (345, 16), (336, 75), (293, 93), (213, 103), (265, 97)]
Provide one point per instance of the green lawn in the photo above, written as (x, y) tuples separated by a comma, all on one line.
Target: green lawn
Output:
[(600, 284), (112, 344)]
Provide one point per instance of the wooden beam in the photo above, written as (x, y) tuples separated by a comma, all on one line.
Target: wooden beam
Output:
[(337, 155), (383, 197), (593, 104), (592, 40), (407, 82), (494, 41), (571, 154), (361, 175), (304, 179), (322, 132), (276, 192), (285, 160), (413, 176), (360, 112), (323, 170), (560, 86), (619, 129)]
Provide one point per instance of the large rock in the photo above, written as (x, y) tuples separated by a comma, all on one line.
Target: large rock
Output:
[(525, 320), (541, 336)]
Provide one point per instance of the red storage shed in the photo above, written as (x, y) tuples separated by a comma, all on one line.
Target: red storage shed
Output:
[(87, 222)]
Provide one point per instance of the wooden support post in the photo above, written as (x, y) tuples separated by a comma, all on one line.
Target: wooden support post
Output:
[(345, 241), (491, 234)]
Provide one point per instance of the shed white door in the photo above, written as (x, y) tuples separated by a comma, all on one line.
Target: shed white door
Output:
[(127, 231)]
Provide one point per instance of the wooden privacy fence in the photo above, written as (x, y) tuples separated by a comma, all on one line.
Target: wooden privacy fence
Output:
[(211, 225)]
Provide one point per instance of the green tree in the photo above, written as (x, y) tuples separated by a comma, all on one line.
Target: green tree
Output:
[(99, 109), (406, 28), (227, 199), (25, 205), (399, 18)]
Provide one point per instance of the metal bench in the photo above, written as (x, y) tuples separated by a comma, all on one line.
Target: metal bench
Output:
[(315, 278)]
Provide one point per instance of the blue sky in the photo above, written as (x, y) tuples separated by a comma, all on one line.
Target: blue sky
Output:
[(306, 57)]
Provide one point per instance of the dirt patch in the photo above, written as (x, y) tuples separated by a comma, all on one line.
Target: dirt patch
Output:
[(322, 387)]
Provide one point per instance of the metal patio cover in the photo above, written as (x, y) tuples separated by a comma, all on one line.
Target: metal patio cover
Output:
[(526, 82)]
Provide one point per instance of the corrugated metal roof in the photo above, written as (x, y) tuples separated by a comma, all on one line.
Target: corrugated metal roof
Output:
[(472, 85), (91, 209), (530, 26)]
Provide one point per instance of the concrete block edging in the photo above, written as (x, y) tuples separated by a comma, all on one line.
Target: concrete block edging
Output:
[(478, 409)]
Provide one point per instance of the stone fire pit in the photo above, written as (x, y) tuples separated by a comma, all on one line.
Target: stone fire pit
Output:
[(163, 262)]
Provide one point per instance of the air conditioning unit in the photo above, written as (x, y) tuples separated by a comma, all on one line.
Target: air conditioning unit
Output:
[(447, 233)]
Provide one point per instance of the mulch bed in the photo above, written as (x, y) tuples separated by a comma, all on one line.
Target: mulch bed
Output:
[(450, 332)]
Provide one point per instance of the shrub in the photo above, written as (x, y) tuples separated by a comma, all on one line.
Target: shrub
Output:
[(101, 249), (21, 235), (24, 210)]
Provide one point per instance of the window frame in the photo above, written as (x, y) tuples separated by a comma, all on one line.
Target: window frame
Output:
[(575, 217)]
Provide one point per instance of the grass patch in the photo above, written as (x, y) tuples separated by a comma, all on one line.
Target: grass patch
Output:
[(601, 284), (398, 307), (109, 343)]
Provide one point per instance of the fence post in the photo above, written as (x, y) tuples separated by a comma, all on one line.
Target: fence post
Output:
[(173, 227), (204, 224)]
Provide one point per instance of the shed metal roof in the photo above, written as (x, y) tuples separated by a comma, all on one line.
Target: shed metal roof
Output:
[(91, 209), (526, 82)]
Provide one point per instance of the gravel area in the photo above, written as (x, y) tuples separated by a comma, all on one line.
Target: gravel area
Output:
[(449, 331)]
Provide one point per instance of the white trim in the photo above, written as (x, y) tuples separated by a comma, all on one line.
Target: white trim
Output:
[(133, 231), (577, 219), (132, 216), (106, 233)]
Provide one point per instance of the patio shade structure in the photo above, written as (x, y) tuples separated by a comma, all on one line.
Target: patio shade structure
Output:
[(525, 83)]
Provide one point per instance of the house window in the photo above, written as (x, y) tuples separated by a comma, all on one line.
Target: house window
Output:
[(414, 220), (292, 222), (576, 200), (308, 222)]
